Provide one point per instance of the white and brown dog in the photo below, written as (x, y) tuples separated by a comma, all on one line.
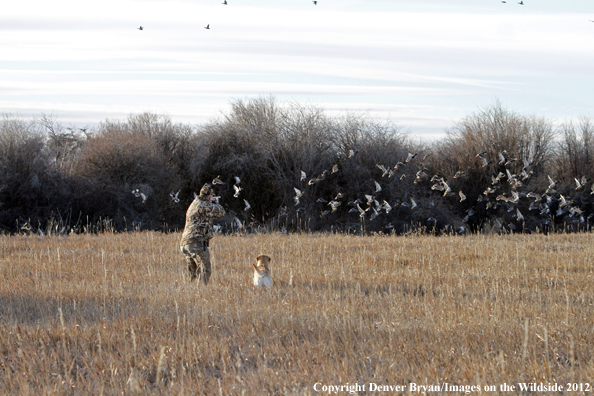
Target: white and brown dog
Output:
[(262, 275)]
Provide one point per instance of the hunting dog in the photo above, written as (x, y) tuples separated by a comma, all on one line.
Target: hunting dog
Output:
[(262, 275)]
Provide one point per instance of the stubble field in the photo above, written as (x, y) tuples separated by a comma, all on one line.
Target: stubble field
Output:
[(115, 314)]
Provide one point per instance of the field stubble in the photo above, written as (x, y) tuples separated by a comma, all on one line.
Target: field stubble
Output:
[(113, 313)]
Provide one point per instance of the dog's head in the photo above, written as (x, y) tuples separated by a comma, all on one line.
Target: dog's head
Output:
[(263, 263)]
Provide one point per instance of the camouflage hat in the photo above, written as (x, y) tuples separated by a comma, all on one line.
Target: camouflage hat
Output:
[(206, 190)]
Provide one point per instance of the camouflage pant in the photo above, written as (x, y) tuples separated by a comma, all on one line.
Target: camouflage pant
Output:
[(198, 258)]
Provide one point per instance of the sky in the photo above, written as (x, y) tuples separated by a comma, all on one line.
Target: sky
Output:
[(421, 64)]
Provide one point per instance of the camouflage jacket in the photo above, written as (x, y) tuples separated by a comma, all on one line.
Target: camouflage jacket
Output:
[(199, 220)]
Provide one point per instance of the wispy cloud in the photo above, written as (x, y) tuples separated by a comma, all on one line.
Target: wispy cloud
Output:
[(446, 58)]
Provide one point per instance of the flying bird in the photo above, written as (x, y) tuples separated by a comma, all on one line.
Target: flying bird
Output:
[(315, 2), (521, 2), (501, 159), (298, 195), (462, 196), (137, 193), (217, 180), (225, 2), (237, 190), (580, 183), (410, 157), (174, 197), (383, 169), (334, 205), (247, 205), (207, 26), (378, 188), (361, 211), (552, 183), (519, 215), (419, 176), (237, 180), (140, 28), (303, 176)]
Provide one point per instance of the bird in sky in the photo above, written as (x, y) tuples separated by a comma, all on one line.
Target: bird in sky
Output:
[(247, 205), (225, 2), (217, 180), (315, 2), (237, 179), (140, 28), (303, 176), (462, 196), (207, 26), (237, 190), (174, 196), (410, 157), (521, 2)]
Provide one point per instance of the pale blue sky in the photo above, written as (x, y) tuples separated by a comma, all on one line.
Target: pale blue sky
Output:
[(422, 64)]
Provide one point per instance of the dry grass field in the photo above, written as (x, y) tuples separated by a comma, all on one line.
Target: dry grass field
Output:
[(115, 314)]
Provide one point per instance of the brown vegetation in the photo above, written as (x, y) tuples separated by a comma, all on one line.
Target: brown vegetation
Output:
[(115, 313), (59, 180)]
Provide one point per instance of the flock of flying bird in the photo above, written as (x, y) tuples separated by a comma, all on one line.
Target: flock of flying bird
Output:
[(315, 2), (541, 203), (493, 196)]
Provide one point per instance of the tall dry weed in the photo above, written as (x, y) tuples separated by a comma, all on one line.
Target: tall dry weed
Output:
[(116, 314)]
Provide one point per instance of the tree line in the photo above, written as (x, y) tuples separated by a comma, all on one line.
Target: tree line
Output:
[(298, 169)]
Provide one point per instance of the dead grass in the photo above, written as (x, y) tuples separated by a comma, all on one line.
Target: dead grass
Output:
[(113, 313)]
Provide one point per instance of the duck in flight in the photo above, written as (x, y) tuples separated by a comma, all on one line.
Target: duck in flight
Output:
[(207, 26), (140, 28)]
